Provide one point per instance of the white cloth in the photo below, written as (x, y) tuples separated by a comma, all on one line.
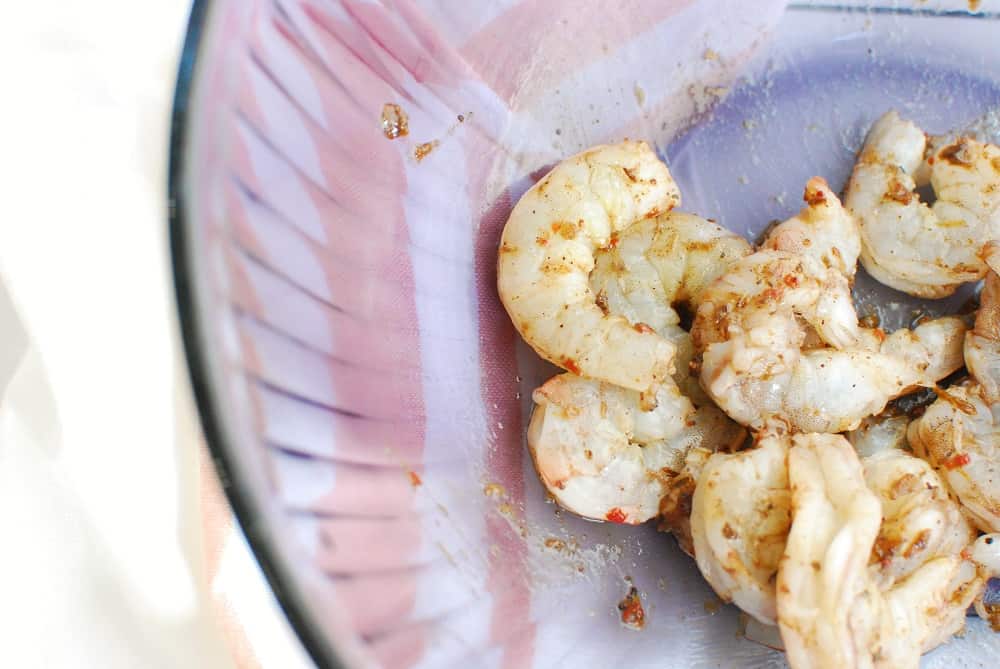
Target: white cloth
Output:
[(99, 443)]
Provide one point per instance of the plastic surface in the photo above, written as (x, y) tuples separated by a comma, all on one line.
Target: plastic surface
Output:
[(360, 386)]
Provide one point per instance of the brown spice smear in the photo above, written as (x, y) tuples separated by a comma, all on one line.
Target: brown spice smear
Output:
[(395, 122)]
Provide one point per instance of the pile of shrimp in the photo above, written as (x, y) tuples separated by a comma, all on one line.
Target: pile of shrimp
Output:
[(759, 433)]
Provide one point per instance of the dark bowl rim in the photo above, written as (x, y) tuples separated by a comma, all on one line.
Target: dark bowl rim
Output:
[(193, 335)]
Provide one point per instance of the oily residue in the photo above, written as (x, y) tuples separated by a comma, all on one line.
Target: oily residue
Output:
[(395, 122), (555, 544), (640, 95), (423, 150), (494, 490), (712, 606)]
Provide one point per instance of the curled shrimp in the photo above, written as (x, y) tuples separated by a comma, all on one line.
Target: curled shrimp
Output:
[(608, 452), (960, 433), (840, 603), (779, 337), (547, 254), (740, 515), (601, 455), (920, 521), (835, 608), (660, 265), (927, 251)]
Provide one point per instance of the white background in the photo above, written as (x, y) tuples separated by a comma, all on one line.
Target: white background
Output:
[(100, 546)]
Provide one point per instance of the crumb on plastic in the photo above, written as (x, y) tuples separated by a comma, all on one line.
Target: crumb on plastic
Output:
[(395, 122), (423, 150), (633, 616)]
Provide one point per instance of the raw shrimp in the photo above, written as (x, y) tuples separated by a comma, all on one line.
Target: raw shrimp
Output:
[(823, 230), (740, 515), (607, 452), (960, 433), (886, 431), (547, 254), (660, 263), (601, 455), (837, 607), (927, 251), (657, 266), (751, 327), (920, 520)]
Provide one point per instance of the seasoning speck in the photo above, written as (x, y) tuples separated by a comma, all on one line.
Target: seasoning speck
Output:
[(710, 54), (424, 149), (395, 123), (415, 479), (555, 544), (640, 95), (494, 490), (633, 616)]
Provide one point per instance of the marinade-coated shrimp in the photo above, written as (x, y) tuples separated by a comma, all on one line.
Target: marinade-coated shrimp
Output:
[(927, 251), (547, 254)]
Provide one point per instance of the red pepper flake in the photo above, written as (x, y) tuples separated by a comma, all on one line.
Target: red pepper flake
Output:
[(616, 515), (966, 554), (394, 121), (571, 365), (632, 614), (814, 197), (643, 328), (898, 193), (957, 153), (415, 479), (791, 280), (956, 461), (613, 240)]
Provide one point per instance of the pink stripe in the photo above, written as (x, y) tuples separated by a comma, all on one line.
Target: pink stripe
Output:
[(524, 52), (357, 190), (369, 491), (508, 575), (350, 327), (377, 602), (343, 437), (402, 649), (427, 60), (360, 545)]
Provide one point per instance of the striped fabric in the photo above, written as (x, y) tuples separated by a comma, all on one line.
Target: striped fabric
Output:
[(381, 383)]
